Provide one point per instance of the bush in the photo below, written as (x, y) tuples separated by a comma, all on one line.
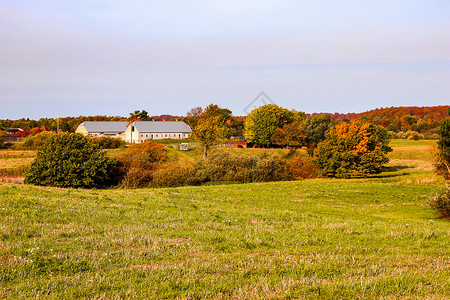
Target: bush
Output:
[(271, 168), (302, 167), (136, 166), (409, 135), (37, 140), (177, 174), (70, 160), (155, 152), (226, 166), (441, 202), (4, 145), (107, 142), (137, 177), (222, 166), (442, 159)]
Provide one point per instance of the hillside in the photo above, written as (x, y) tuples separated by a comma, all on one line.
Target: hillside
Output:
[(424, 119), (314, 239)]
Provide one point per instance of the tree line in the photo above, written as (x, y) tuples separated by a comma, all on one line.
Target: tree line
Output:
[(422, 120)]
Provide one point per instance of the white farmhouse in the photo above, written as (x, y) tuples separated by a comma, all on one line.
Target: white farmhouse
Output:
[(141, 131), (103, 128)]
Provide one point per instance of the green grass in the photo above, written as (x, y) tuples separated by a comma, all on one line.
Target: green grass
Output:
[(323, 239), (315, 239), (409, 143)]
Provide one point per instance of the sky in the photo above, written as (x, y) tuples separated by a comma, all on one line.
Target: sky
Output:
[(111, 57)]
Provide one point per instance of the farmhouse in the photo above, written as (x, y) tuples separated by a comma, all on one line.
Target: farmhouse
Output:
[(140, 131), (103, 128)]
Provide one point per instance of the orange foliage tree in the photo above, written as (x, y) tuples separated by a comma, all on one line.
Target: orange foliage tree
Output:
[(353, 149)]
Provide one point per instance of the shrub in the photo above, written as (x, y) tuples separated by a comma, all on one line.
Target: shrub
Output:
[(409, 135), (221, 166), (226, 166), (136, 177), (4, 145), (441, 202), (155, 151), (107, 142), (136, 166), (271, 168), (442, 159), (37, 140), (177, 174), (302, 167), (70, 160)]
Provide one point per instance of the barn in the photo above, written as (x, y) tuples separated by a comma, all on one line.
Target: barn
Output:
[(141, 131)]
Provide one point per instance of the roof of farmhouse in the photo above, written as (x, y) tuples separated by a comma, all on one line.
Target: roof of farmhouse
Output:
[(105, 126), (162, 126)]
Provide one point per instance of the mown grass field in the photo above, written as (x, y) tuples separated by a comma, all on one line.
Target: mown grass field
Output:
[(372, 238)]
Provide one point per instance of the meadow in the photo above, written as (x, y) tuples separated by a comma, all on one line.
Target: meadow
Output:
[(371, 238)]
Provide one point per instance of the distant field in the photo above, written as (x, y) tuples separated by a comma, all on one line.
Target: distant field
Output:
[(409, 143), (372, 238)]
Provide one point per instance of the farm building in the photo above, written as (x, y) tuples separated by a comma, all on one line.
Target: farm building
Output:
[(13, 130), (140, 131), (103, 128)]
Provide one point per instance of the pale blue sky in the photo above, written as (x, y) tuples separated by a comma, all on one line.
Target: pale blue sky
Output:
[(113, 57)]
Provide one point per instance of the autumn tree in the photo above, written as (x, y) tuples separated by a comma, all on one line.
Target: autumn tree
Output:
[(263, 121), (195, 112), (291, 135), (353, 149), (213, 127), (316, 127)]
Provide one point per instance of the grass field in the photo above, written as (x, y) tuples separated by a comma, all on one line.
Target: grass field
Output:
[(372, 238)]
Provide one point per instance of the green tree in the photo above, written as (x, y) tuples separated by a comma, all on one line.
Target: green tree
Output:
[(262, 122), (353, 149), (442, 161), (70, 160), (213, 127), (316, 127)]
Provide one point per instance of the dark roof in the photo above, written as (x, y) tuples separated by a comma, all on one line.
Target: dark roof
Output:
[(105, 126), (162, 126)]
